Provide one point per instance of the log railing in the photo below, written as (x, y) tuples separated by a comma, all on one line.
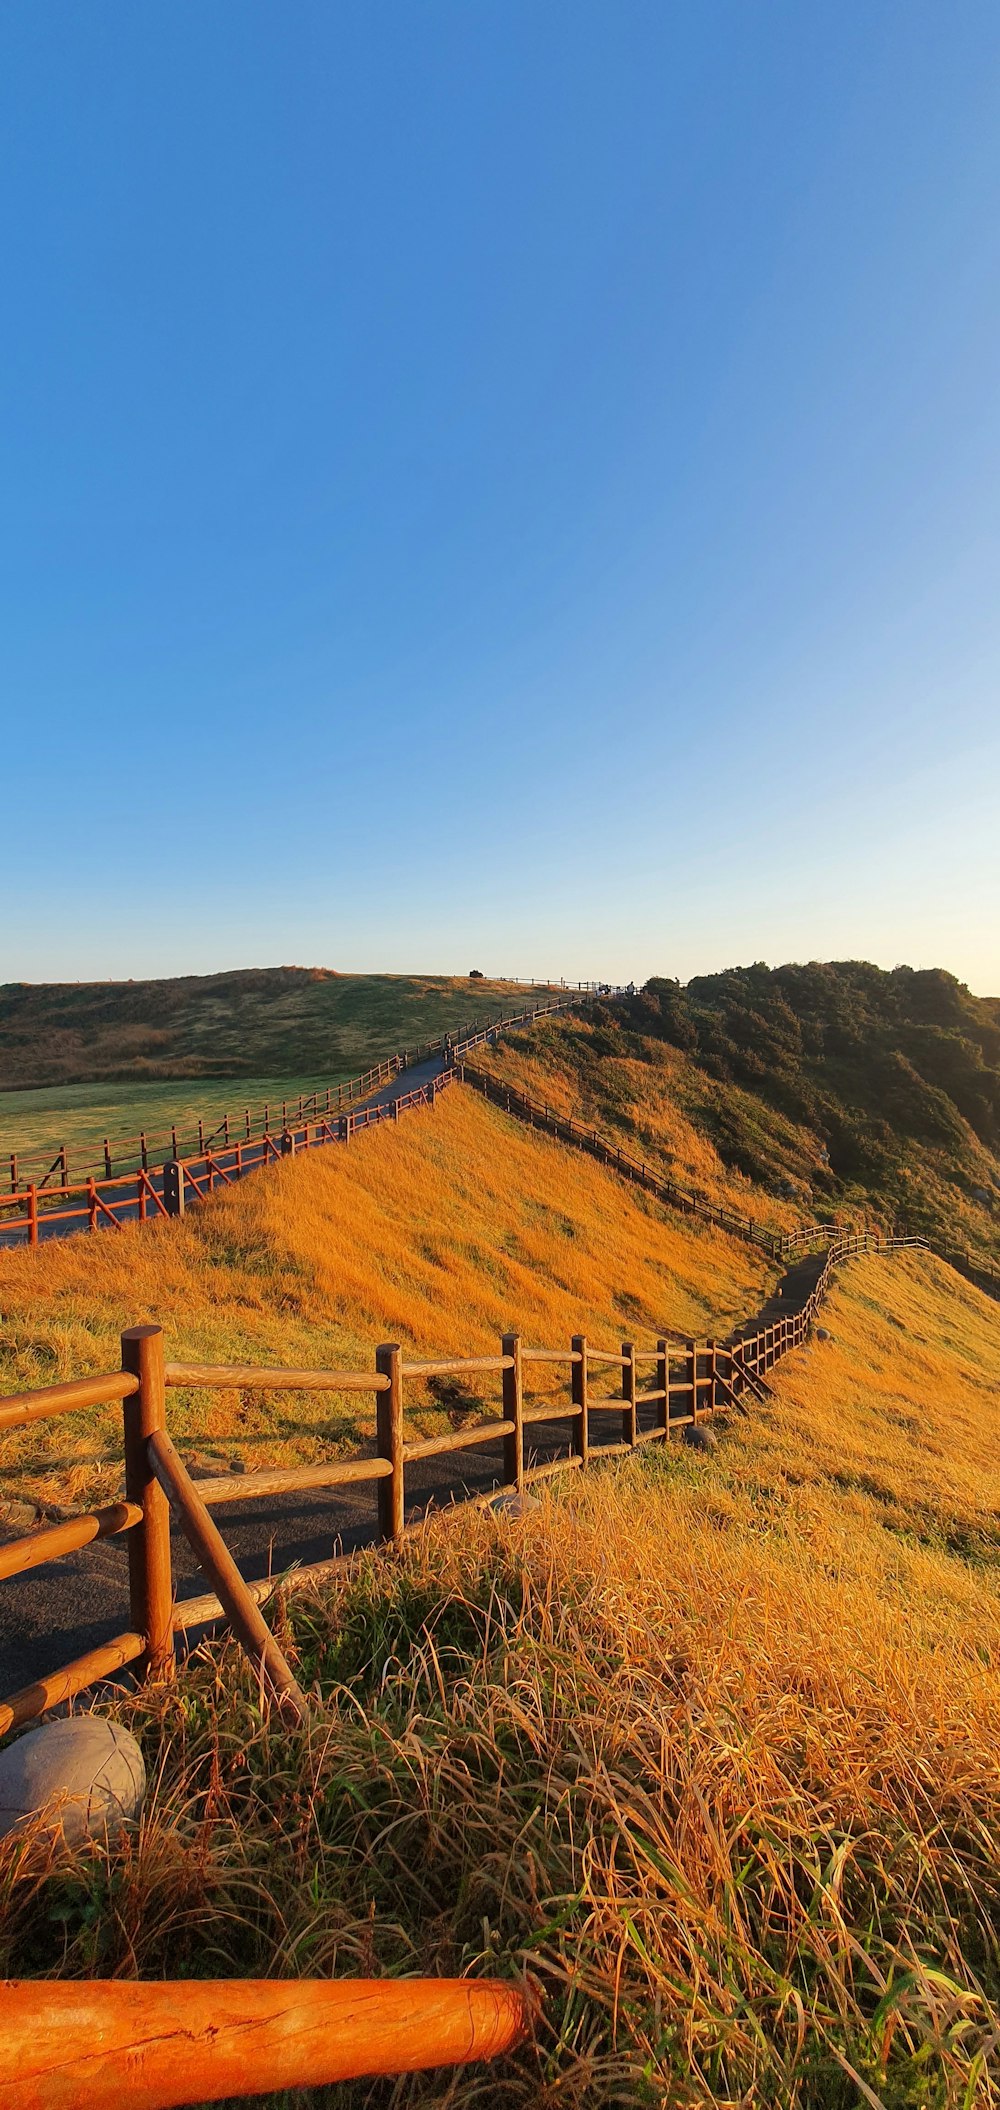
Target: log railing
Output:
[(34, 1210), (138, 1152), (662, 1390), (634, 1170), (778, 1245)]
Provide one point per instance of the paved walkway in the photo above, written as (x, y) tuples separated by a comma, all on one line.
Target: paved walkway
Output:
[(232, 1160), (53, 1614)]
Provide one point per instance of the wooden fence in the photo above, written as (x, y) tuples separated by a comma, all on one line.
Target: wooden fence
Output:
[(233, 1148), (778, 1245), (138, 1152), (663, 1391)]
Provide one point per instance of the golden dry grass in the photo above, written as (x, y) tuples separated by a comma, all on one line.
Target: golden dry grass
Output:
[(438, 1232), (655, 1100), (709, 1743)]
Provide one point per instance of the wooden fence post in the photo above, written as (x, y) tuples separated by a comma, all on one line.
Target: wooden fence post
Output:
[(580, 1426), (663, 1383), (630, 1423), (692, 1352), (151, 1592), (713, 1371), (32, 1214), (173, 1187), (513, 1410), (389, 1423)]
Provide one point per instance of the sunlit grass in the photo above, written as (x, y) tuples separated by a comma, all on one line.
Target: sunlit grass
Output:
[(439, 1232), (709, 1744)]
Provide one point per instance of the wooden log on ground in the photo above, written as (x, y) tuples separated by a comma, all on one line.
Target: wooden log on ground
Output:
[(81, 2046)]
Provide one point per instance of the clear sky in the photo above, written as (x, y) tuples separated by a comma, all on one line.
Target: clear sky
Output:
[(499, 483)]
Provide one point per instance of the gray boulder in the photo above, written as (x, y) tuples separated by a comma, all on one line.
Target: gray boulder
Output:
[(515, 1505), (83, 1778), (698, 1438)]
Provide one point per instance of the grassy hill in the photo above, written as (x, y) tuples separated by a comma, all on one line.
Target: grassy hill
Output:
[(830, 1087), (439, 1233), (259, 1022), (81, 1061), (708, 1744)]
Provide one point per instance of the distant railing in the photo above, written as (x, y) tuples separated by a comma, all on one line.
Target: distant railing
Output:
[(778, 1245), (635, 1170), (137, 1152), (331, 1115)]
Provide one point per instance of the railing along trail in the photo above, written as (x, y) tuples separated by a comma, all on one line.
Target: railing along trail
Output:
[(231, 1149), (167, 2043), (664, 1389)]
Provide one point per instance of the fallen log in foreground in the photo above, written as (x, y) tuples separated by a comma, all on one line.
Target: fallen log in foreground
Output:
[(79, 2045)]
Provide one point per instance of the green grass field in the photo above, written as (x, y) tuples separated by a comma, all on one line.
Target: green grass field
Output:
[(109, 1059), (35, 1125)]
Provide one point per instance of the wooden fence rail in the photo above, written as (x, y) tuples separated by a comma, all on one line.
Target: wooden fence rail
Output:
[(690, 1381)]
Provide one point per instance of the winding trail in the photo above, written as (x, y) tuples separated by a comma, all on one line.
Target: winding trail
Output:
[(57, 1612)]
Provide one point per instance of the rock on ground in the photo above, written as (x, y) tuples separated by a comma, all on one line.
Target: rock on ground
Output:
[(83, 1777)]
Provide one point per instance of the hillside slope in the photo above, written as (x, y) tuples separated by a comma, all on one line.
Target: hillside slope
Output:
[(259, 1022), (439, 1232), (835, 1087), (708, 1744)]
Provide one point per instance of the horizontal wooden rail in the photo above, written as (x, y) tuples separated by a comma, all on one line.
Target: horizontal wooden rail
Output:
[(244, 1377), (458, 1439), (60, 1685), (19, 1408), (81, 2045), (41, 1546), (207, 1608), (459, 1368), (549, 1355), (554, 1465), (553, 1410), (251, 1487)]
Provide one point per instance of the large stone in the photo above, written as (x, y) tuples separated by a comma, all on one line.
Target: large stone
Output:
[(515, 1505), (84, 1778), (699, 1438)]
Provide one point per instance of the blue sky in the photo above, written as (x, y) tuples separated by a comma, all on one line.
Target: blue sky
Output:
[(512, 485)]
